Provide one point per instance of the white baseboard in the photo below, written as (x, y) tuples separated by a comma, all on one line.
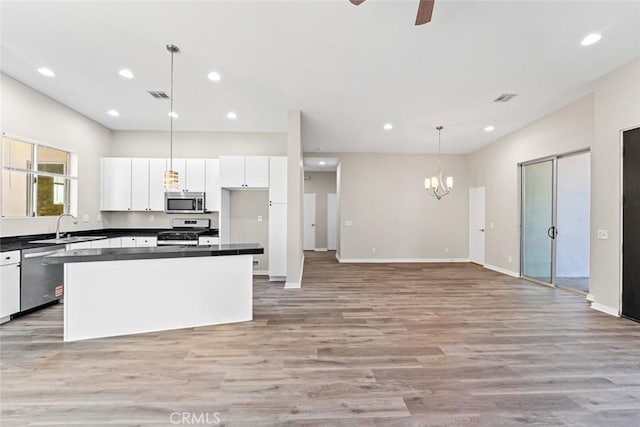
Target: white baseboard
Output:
[(605, 309), (277, 278), (298, 284), (590, 297), (399, 260), (260, 272), (501, 270), (337, 256), (321, 249)]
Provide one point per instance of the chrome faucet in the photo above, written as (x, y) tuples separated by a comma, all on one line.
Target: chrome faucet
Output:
[(75, 221)]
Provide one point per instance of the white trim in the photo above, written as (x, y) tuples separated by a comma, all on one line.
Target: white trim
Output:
[(605, 309), (321, 249), (590, 297), (298, 284), (260, 272), (399, 260), (502, 270), (337, 256), (277, 278)]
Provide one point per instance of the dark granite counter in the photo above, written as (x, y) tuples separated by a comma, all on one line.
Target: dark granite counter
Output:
[(24, 242), (118, 254)]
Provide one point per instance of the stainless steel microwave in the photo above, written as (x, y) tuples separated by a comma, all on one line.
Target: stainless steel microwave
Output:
[(184, 202)]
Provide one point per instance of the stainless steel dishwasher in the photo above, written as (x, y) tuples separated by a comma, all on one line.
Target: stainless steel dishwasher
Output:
[(38, 281)]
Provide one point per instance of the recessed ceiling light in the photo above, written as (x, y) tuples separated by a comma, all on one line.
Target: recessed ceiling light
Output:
[(214, 76), (388, 126), (127, 74), (590, 39), (173, 114), (231, 115), (46, 72), (113, 113), (322, 163), (489, 128)]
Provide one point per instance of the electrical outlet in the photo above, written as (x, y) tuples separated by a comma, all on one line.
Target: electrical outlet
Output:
[(99, 218), (509, 259), (85, 218), (259, 218), (373, 250), (152, 218), (603, 234), (446, 250), (491, 225)]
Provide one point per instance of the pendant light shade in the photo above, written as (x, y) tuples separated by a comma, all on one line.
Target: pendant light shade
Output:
[(436, 185), (171, 178)]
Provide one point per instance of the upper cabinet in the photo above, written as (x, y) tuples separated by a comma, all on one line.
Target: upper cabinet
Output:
[(244, 172), (147, 184), (156, 184), (277, 180), (212, 185), (190, 174), (116, 184)]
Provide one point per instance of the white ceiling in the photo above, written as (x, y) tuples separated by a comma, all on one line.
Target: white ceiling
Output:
[(349, 69), (320, 164)]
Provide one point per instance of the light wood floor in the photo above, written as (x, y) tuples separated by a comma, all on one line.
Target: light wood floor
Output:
[(372, 345)]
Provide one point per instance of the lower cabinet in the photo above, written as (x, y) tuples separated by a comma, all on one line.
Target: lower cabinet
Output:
[(208, 240), (9, 284), (277, 241), (139, 242)]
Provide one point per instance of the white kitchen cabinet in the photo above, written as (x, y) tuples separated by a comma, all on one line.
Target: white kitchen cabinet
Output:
[(113, 242), (9, 284), (212, 185), (195, 175), (138, 242), (277, 180), (116, 184), (208, 240), (157, 167), (139, 184), (180, 166), (244, 172), (81, 245), (277, 241)]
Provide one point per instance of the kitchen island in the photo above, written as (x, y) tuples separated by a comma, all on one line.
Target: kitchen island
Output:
[(120, 291)]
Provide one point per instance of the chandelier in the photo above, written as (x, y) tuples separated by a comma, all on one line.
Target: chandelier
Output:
[(436, 186), (171, 178)]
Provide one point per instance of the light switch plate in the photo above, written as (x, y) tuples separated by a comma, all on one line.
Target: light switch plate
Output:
[(348, 223), (85, 218), (491, 224), (98, 217), (603, 234), (259, 218)]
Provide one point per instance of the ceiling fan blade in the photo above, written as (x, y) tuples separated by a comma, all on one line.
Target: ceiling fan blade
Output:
[(357, 2), (424, 11)]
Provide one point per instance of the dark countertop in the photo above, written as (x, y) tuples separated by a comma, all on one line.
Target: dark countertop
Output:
[(118, 254), (15, 243)]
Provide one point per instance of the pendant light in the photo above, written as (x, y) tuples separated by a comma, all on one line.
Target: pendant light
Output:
[(435, 185), (171, 178)]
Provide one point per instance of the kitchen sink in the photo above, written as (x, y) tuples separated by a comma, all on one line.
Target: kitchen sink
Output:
[(72, 239)]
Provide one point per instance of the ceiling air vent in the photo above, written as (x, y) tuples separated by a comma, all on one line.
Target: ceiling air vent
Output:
[(158, 94), (505, 97)]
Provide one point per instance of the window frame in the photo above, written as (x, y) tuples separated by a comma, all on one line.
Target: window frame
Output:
[(33, 173)]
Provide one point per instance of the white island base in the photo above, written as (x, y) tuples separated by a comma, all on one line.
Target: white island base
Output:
[(121, 297)]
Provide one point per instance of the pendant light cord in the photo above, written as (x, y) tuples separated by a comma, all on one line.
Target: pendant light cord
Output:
[(439, 129), (171, 117)]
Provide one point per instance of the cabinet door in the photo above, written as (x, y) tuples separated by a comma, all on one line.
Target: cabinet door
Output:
[(212, 185), (99, 244), (180, 166), (128, 242), (195, 175), (146, 241), (277, 180), (231, 172), (156, 184), (79, 245), (9, 289), (256, 172), (139, 184), (278, 240), (116, 184)]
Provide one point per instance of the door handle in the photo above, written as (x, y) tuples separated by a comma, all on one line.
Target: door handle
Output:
[(551, 232), (481, 229)]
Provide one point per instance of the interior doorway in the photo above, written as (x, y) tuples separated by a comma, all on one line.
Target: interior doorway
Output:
[(630, 226), (309, 222), (476, 225), (555, 207)]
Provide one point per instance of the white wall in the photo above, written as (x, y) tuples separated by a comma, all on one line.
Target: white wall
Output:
[(495, 167), (321, 184), (617, 107), (295, 177), (384, 198), (30, 114)]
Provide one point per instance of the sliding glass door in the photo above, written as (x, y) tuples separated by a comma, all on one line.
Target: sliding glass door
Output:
[(537, 221), (555, 221)]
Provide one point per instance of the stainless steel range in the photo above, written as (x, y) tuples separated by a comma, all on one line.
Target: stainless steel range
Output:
[(184, 232)]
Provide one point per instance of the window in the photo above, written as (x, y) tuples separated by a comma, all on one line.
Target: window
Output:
[(36, 179)]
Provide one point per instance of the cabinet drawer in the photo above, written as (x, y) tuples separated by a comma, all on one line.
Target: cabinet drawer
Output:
[(208, 240), (128, 242), (9, 289), (12, 257), (146, 241)]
